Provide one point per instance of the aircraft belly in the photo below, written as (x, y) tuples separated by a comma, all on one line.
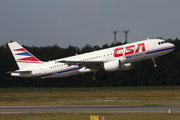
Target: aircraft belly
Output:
[(58, 75), (75, 72), (136, 59), (157, 53)]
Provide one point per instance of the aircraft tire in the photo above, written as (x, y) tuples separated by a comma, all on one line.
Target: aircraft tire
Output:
[(94, 77)]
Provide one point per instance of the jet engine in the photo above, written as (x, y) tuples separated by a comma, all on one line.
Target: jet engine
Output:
[(117, 65)]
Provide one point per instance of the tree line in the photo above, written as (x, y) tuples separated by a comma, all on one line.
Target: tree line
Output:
[(166, 73)]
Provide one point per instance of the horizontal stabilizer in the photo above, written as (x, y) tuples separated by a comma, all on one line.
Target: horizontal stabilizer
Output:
[(20, 71)]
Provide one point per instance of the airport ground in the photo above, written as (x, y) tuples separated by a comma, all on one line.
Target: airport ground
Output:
[(90, 96), (86, 116)]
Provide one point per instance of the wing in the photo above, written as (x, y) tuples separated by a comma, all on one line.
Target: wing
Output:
[(87, 64)]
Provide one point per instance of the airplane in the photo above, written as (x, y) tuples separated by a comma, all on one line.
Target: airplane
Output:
[(111, 59)]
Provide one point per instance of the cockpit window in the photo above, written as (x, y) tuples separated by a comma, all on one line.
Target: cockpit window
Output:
[(162, 42)]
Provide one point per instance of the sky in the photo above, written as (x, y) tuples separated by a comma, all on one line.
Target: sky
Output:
[(82, 22)]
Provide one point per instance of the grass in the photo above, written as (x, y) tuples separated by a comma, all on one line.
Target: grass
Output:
[(86, 116), (90, 96)]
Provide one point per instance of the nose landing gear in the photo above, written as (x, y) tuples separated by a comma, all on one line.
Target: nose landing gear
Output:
[(154, 62), (103, 76)]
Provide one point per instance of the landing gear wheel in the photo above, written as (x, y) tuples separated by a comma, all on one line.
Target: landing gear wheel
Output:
[(94, 77), (103, 76), (154, 62)]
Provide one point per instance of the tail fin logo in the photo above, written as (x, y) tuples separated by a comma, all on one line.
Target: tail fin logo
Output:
[(26, 56), (21, 49)]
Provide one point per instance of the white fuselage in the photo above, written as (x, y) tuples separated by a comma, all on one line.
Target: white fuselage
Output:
[(128, 53)]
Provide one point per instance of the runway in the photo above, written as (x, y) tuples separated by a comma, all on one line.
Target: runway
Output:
[(89, 109)]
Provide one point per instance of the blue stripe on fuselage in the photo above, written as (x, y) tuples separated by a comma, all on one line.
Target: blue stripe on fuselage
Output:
[(150, 52), (60, 71)]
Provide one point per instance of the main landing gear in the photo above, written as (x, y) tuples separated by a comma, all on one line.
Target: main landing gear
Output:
[(154, 62), (95, 77)]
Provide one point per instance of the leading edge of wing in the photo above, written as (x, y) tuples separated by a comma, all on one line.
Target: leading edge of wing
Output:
[(74, 62)]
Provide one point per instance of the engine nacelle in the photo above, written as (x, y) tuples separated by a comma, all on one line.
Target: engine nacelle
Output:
[(116, 65), (112, 65)]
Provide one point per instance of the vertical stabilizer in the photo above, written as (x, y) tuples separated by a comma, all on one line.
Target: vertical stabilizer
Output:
[(22, 57)]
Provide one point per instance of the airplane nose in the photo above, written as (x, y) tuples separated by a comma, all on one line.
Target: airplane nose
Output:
[(173, 46)]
